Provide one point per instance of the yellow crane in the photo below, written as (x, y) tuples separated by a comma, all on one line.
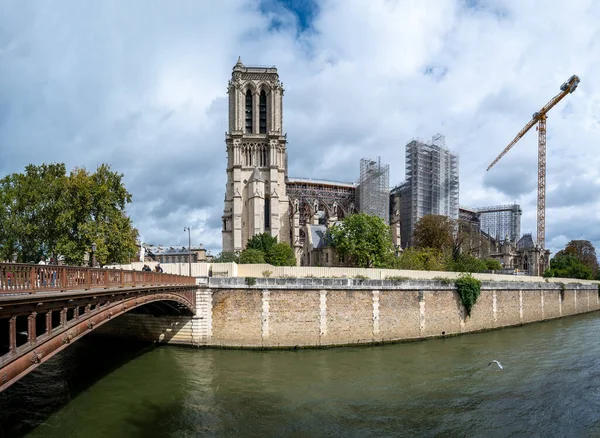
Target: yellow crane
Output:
[(540, 118)]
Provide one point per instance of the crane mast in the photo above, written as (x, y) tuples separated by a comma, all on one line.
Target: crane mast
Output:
[(539, 118)]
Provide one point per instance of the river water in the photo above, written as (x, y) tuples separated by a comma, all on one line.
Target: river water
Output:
[(550, 386)]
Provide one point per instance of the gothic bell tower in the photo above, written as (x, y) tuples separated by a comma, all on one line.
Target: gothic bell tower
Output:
[(255, 195)]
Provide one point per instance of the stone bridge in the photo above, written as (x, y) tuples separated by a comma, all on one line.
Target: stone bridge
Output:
[(45, 308)]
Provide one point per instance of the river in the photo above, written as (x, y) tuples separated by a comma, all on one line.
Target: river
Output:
[(550, 386)]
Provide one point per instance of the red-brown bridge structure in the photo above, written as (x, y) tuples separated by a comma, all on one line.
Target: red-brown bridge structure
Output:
[(45, 308)]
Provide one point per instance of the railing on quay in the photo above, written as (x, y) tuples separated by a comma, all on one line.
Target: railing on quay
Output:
[(17, 278)]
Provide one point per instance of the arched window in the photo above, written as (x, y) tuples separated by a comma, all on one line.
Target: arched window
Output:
[(267, 213), (262, 110), (249, 112)]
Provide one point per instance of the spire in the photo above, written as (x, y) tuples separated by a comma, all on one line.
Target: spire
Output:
[(238, 64)]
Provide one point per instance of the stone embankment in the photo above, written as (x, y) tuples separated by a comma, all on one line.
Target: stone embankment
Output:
[(277, 312)]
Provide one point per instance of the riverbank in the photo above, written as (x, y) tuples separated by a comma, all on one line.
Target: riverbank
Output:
[(293, 313)]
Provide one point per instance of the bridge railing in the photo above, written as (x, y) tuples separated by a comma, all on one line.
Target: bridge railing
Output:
[(29, 278)]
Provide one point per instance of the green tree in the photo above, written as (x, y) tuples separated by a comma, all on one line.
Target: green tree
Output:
[(281, 254), (584, 251), (227, 257), (492, 264), (434, 231), (426, 259), (467, 263), (252, 256), (565, 265), (365, 239), (262, 242), (45, 213)]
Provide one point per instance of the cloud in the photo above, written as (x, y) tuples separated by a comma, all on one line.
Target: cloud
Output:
[(141, 85)]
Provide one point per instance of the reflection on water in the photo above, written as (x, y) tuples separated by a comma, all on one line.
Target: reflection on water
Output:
[(550, 386)]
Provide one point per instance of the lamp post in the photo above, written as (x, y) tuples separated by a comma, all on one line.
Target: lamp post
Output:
[(189, 250), (93, 255)]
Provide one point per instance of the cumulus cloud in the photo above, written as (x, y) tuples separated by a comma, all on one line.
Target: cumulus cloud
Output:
[(141, 85)]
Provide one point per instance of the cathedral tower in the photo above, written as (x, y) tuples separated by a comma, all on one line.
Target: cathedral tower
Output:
[(255, 196)]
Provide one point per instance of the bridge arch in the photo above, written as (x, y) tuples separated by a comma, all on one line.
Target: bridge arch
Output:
[(36, 326)]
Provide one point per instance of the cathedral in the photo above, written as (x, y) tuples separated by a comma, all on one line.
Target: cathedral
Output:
[(255, 197), (260, 197)]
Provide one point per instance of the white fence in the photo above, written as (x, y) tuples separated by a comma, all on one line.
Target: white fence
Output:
[(265, 270)]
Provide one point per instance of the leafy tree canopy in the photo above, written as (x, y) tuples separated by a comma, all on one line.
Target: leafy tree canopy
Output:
[(251, 256), (281, 254), (584, 251), (261, 242), (365, 239), (427, 259), (565, 265), (46, 213), (434, 231)]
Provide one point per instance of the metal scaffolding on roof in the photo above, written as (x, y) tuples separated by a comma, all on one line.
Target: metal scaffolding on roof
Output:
[(374, 188), (501, 221)]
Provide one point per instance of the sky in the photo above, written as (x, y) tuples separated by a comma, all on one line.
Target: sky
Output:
[(141, 85)]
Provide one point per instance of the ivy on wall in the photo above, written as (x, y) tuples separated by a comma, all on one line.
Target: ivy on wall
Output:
[(468, 289)]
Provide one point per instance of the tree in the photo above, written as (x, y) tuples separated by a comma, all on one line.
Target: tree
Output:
[(252, 256), (227, 257), (584, 251), (281, 254), (45, 213), (365, 239), (565, 265), (434, 231), (262, 242), (426, 259), (467, 263)]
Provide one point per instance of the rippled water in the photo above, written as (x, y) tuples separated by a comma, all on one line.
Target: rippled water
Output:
[(550, 386)]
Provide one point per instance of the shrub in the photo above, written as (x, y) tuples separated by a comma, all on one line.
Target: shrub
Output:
[(468, 263), (492, 264), (266, 274), (281, 254), (468, 288), (361, 277), (444, 280), (250, 281), (251, 256), (396, 278)]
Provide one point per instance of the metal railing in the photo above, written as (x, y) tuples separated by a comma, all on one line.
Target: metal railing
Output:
[(27, 278)]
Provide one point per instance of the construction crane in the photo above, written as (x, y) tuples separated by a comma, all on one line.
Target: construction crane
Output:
[(540, 118)]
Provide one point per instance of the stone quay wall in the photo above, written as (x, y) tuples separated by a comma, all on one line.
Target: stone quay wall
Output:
[(276, 313)]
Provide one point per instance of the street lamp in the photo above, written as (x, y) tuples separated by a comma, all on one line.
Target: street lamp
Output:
[(189, 250), (93, 255)]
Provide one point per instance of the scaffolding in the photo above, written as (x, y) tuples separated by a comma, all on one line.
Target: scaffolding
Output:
[(333, 197), (374, 188), (431, 183), (501, 221)]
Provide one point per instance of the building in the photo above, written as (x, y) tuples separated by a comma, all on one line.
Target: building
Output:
[(174, 254), (501, 221), (431, 185), (316, 205), (374, 188), (255, 195)]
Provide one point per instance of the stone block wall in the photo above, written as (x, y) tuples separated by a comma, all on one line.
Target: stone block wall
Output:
[(321, 312)]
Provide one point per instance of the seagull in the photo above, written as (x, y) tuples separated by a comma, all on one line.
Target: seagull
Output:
[(499, 364)]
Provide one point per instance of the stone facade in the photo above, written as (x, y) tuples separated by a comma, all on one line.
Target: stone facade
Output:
[(255, 196), (323, 312)]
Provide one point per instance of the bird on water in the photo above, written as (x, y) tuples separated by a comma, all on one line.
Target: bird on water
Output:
[(499, 364)]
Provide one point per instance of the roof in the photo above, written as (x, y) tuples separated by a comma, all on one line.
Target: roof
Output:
[(323, 182), (318, 234), (525, 242)]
